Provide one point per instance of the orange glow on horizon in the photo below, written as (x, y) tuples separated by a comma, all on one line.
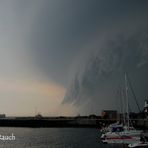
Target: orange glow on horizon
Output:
[(49, 89)]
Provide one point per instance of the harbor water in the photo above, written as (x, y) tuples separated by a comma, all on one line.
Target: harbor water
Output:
[(53, 138)]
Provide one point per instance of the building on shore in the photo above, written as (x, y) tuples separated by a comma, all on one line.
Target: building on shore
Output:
[(109, 114), (146, 106), (145, 109), (2, 116)]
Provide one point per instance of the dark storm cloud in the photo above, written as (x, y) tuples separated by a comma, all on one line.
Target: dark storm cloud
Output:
[(61, 28), (92, 43), (97, 82)]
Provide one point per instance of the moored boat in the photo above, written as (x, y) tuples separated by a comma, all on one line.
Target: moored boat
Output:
[(143, 143), (122, 134), (121, 139)]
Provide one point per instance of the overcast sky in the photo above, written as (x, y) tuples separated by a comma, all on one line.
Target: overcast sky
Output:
[(69, 56)]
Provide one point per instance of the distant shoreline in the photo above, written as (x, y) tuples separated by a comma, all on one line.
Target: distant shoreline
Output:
[(64, 122), (47, 123)]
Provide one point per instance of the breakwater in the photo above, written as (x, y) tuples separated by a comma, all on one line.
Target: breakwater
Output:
[(47, 123), (65, 122), (54, 122)]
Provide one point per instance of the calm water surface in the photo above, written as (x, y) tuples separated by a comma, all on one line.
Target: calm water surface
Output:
[(53, 138)]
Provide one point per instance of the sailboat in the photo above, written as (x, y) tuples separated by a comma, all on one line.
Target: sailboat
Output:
[(142, 143), (122, 133)]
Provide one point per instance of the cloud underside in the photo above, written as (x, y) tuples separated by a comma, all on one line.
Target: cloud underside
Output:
[(95, 84)]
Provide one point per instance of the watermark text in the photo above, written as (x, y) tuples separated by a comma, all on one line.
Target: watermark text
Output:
[(7, 137)]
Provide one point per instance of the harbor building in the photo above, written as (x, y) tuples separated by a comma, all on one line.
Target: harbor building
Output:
[(109, 114)]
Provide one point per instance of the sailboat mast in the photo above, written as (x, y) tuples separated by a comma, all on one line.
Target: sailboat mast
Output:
[(123, 106), (127, 101)]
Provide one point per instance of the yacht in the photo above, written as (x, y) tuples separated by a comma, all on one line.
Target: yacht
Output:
[(122, 134)]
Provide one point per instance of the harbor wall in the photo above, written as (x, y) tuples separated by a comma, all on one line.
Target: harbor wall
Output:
[(66, 122)]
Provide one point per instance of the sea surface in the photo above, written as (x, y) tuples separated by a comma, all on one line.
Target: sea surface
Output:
[(53, 138)]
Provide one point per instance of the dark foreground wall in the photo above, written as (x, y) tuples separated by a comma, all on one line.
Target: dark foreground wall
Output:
[(46, 123), (74, 122)]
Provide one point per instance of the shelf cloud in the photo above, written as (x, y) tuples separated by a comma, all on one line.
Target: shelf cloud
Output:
[(77, 50)]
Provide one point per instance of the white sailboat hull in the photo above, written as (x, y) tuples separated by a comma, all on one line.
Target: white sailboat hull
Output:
[(126, 137), (139, 144), (124, 133), (122, 140)]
